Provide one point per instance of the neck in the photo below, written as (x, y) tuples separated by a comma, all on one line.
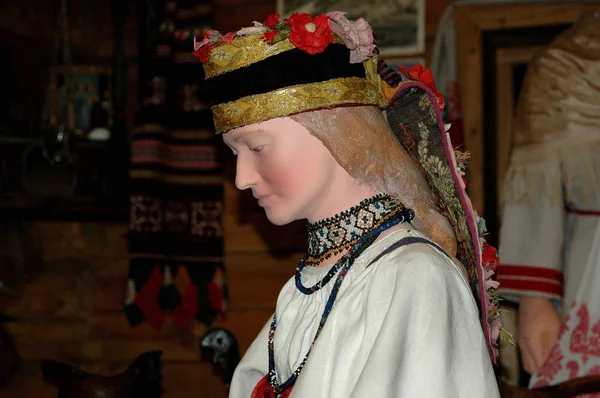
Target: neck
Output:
[(342, 200), (331, 237)]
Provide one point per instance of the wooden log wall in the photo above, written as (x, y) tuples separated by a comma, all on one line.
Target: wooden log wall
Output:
[(71, 304)]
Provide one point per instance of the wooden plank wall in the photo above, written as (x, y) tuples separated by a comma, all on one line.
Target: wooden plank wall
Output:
[(71, 306)]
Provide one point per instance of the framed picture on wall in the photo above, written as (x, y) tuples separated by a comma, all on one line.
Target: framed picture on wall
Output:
[(399, 25), (81, 97)]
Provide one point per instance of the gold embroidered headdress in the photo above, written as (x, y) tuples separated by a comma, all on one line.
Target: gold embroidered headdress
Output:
[(306, 62), (301, 64)]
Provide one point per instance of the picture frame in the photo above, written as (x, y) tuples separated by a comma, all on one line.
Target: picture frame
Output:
[(80, 97), (399, 26)]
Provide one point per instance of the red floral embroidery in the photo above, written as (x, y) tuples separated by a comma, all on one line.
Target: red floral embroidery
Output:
[(308, 34), (573, 368), (417, 72), (552, 365), (585, 340)]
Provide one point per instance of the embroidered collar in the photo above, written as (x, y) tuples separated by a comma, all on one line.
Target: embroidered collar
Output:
[(335, 234)]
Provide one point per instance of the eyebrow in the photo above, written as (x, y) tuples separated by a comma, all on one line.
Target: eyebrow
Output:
[(238, 136)]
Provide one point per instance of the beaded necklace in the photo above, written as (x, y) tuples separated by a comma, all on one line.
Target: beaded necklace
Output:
[(335, 234), (397, 214), (344, 230)]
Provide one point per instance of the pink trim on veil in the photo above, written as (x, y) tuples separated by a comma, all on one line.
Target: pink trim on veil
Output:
[(469, 212)]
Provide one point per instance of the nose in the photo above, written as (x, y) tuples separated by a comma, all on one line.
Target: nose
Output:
[(246, 175)]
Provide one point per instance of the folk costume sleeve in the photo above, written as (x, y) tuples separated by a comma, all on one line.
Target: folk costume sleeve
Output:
[(252, 367), (406, 327), (532, 234), (427, 342)]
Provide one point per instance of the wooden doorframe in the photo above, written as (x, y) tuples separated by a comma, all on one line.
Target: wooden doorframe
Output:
[(506, 60), (471, 22)]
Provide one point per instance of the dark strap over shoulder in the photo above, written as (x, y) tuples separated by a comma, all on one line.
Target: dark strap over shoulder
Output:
[(409, 240)]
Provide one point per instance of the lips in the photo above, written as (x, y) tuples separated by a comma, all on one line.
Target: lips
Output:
[(263, 199)]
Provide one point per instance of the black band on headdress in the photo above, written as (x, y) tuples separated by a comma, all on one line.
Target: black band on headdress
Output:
[(290, 68)]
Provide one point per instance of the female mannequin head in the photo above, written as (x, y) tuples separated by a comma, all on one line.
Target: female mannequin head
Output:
[(291, 173)]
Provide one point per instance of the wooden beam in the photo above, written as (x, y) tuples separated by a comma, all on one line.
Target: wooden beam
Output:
[(470, 80), (505, 106), (522, 15), (518, 55)]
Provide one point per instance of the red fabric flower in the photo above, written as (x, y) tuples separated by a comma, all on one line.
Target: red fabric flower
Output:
[(417, 72), (308, 34), (269, 35), (203, 52), (263, 390), (490, 256), (272, 20)]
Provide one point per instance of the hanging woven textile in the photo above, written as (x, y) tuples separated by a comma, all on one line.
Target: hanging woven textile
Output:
[(175, 233)]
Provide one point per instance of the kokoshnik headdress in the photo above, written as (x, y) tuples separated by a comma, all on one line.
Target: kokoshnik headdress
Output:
[(285, 67)]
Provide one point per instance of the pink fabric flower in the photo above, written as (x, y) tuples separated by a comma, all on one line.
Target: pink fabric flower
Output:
[(202, 49), (257, 29), (489, 282), (198, 44), (357, 36), (495, 327)]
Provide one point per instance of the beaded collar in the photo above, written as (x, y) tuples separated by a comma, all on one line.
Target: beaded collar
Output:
[(333, 235), (355, 229), (343, 265)]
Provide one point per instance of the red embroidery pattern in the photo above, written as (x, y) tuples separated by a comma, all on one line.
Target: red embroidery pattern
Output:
[(584, 342), (553, 364)]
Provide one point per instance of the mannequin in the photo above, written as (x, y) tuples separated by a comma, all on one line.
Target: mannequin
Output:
[(294, 176), (551, 213), (390, 292), (291, 172)]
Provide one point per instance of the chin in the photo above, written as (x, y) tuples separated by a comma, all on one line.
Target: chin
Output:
[(278, 218)]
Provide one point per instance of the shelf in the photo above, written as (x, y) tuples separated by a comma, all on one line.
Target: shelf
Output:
[(91, 187)]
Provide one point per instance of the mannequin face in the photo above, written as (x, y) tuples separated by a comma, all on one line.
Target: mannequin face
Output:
[(290, 172)]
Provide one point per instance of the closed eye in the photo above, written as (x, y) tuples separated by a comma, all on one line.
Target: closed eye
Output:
[(257, 149)]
